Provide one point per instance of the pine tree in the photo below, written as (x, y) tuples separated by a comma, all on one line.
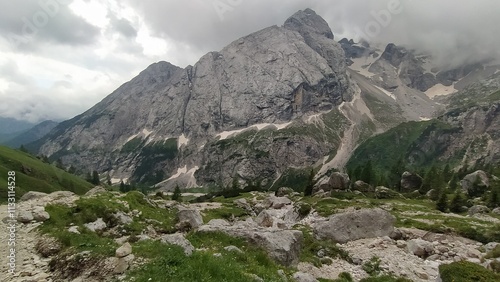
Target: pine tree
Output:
[(108, 180), (177, 196), (23, 149), (123, 188), (493, 200), (95, 178), (442, 202), (447, 173), (367, 174), (236, 183), (310, 184), (453, 184), (457, 202)]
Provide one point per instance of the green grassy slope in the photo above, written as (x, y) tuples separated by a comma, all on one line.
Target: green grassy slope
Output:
[(35, 175)]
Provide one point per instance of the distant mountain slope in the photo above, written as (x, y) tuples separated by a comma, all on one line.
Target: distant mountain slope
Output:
[(31, 135), (10, 125), (468, 133), (35, 175)]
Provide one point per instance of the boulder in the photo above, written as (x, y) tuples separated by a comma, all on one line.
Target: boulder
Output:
[(282, 246), (189, 218), (354, 225), (25, 217), (420, 248), (122, 218), (284, 191), (233, 249), (124, 250), (32, 195), (304, 277), (382, 192), (410, 182), (478, 209), (74, 229), (96, 191), (277, 202), (362, 186), (265, 219), (48, 246), (96, 226), (479, 178), (496, 211), (40, 215), (179, 240), (339, 181)]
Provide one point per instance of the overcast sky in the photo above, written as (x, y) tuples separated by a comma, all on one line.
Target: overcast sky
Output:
[(60, 57)]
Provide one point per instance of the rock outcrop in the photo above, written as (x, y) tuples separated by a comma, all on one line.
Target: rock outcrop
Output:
[(354, 225)]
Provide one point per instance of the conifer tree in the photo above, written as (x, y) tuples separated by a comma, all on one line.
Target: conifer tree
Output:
[(442, 202), (177, 196), (310, 184)]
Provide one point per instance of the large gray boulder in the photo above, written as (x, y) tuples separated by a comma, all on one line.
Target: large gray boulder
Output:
[(96, 226), (478, 178), (339, 181), (354, 225), (189, 219), (410, 182), (32, 195), (363, 187), (178, 239), (303, 277), (420, 248), (478, 209)]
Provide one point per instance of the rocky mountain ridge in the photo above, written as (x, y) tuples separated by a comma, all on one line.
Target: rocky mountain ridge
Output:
[(275, 102)]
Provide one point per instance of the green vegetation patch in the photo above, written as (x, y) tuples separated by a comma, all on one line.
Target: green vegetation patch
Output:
[(464, 271), (34, 175), (169, 263)]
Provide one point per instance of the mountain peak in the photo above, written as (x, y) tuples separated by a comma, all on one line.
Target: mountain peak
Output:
[(307, 21)]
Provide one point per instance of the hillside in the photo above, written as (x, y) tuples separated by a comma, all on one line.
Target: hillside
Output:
[(34, 175), (30, 135)]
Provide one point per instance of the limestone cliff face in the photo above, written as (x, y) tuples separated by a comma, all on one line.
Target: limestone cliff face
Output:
[(162, 119)]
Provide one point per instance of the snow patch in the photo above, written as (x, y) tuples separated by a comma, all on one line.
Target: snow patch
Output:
[(180, 171), (146, 132), (361, 65), (130, 138), (386, 92), (440, 89), (227, 134), (115, 180), (182, 140), (424, 119)]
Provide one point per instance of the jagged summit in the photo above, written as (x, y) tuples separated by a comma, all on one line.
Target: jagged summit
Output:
[(307, 21)]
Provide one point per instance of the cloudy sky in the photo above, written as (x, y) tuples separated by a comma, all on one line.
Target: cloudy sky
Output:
[(60, 57)]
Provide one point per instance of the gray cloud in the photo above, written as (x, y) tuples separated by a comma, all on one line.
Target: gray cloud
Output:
[(25, 23), (454, 31)]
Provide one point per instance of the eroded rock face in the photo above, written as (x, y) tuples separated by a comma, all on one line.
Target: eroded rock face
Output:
[(349, 226), (295, 70)]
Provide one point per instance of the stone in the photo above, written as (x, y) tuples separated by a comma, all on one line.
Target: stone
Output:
[(410, 182), (96, 191), (189, 218), (283, 191), (277, 202), (124, 250), (420, 248), (218, 223), (265, 219), (25, 217), (121, 266), (48, 246), (74, 229), (40, 215), (386, 193), (339, 181), (480, 177), (354, 225), (32, 195), (363, 187), (282, 246), (233, 249), (303, 277), (123, 218), (478, 209), (179, 240), (96, 226), (496, 211)]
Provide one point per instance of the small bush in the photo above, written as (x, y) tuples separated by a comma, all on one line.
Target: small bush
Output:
[(372, 267), (495, 253), (464, 271)]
